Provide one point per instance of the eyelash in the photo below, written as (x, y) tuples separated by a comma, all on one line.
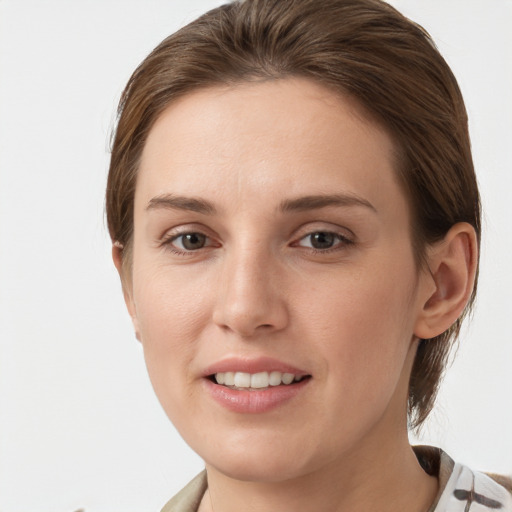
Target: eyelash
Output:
[(340, 243)]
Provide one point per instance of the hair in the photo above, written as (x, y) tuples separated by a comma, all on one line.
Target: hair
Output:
[(361, 48)]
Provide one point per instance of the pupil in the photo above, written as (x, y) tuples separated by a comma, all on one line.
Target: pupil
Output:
[(322, 240), (193, 241)]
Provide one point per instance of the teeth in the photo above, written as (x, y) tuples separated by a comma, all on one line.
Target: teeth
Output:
[(242, 380), (274, 379), (259, 380), (288, 378), (256, 380)]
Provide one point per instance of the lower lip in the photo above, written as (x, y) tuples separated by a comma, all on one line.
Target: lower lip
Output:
[(254, 401)]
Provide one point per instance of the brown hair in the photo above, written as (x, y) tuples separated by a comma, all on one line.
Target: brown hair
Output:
[(363, 48)]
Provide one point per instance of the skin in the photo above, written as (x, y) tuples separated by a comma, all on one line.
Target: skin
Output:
[(348, 315)]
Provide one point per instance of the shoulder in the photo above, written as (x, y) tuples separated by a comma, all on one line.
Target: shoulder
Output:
[(479, 490), (189, 498), (462, 488), (469, 489), (503, 480)]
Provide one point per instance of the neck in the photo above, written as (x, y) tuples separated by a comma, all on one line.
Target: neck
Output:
[(387, 480)]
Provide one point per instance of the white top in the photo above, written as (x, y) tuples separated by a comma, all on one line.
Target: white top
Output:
[(468, 490)]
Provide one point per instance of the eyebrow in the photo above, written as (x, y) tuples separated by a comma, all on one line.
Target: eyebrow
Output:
[(316, 202), (304, 203), (173, 202)]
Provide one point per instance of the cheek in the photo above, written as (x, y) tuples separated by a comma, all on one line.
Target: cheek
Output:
[(171, 318), (170, 308), (364, 326)]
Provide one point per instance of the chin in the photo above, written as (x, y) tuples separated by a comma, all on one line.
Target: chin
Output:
[(268, 471), (263, 462)]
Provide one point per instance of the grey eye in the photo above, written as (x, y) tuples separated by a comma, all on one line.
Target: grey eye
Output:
[(320, 240), (190, 241)]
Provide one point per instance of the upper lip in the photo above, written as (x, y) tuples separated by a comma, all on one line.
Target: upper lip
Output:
[(256, 365)]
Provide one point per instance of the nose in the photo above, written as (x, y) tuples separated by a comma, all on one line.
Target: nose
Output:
[(251, 299)]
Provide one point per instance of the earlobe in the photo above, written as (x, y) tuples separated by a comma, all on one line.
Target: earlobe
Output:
[(452, 263), (117, 257)]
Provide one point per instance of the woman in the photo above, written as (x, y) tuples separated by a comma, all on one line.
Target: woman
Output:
[(296, 224)]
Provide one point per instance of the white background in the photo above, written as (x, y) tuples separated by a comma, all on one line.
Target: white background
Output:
[(79, 425)]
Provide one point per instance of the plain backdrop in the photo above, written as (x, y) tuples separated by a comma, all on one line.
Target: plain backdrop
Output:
[(79, 425)]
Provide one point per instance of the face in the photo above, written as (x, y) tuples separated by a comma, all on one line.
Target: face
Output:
[(273, 284)]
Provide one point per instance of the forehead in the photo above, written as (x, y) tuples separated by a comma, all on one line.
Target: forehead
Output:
[(265, 139)]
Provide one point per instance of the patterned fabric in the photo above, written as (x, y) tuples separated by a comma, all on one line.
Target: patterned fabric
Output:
[(468, 490), (460, 488)]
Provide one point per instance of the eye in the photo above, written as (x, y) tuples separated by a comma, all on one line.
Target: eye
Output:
[(189, 241), (323, 240)]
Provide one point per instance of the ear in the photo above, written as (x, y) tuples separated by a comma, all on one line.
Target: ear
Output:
[(117, 257), (452, 263)]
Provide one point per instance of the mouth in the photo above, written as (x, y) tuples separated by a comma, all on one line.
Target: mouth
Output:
[(244, 381), (257, 385)]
